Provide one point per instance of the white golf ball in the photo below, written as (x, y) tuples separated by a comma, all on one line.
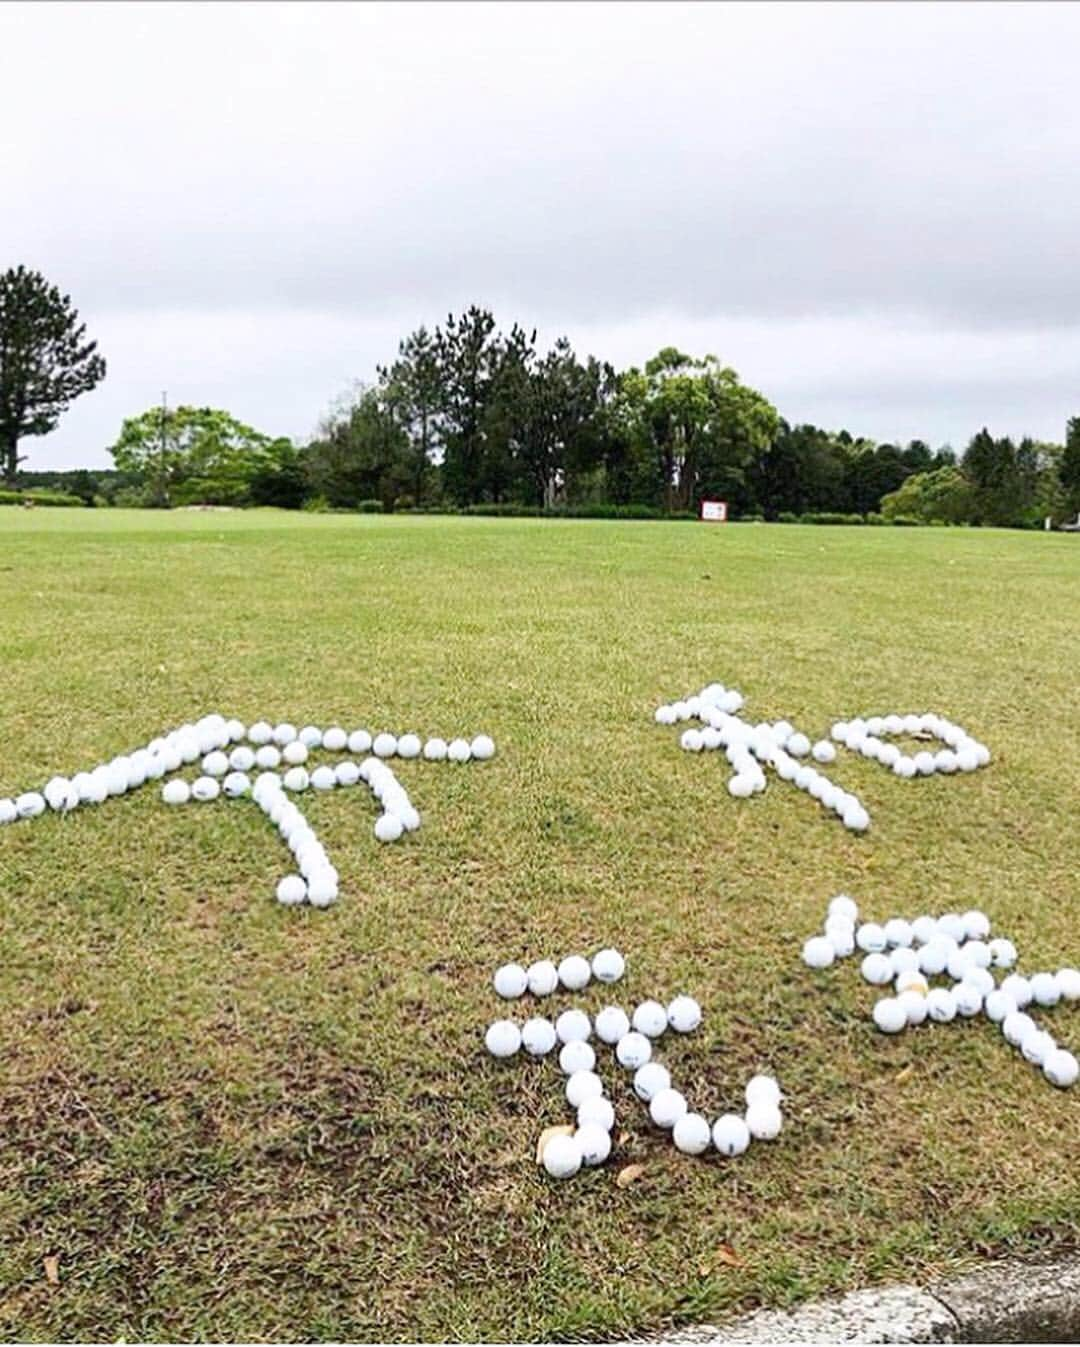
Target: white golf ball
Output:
[(934, 957), (577, 1055), (762, 1090), (483, 747), (823, 751), (8, 812), (1019, 988), (583, 1085), (666, 1107), (388, 827), (322, 888), (1045, 990), (969, 1000), (1002, 953), (889, 1015), (296, 779), (888, 755), (205, 788), (335, 740), (650, 1018), (176, 791), (241, 759), (856, 819), (898, 932), (268, 757), (877, 969), (538, 1037), (870, 937), (574, 972), (818, 952), (189, 748), (941, 1005), (596, 1111), (650, 1079), (841, 936), (608, 965), (359, 741), (384, 745), (284, 734), (903, 960), (741, 787), (510, 981), (236, 784), (1061, 1068), (435, 750), (905, 767), (1068, 983), (562, 1157), (691, 741), (913, 1004), (573, 1026), (503, 1038), (691, 1134), (923, 930), (844, 907), (912, 979), (981, 979), (323, 778), (1016, 1026), (235, 731), (346, 773), (310, 736), (976, 924), (798, 745), (458, 750), (998, 1005), (594, 1142), (612, 1024), (1037, 1046), (730, 1134), (684, 1014), (764, 1121), (409, 746), (633, 1050), (294, 753), (542, 977), (291, 890)]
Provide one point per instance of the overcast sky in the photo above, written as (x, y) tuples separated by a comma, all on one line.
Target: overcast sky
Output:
[(871, 211)]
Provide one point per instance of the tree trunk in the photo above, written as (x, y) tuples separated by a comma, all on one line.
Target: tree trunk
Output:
[(11, 458)]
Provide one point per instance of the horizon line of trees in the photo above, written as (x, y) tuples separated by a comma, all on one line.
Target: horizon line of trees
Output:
[(468, 416)]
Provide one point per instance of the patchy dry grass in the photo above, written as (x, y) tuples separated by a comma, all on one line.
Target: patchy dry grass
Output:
[(228, 1120)]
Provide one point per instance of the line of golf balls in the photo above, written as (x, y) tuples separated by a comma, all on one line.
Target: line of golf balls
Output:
[(631, 1037), (207, 739), (961, 753), (748, 746), (909, 953)]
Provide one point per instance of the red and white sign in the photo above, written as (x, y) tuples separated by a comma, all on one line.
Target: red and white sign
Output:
[(714, 511)]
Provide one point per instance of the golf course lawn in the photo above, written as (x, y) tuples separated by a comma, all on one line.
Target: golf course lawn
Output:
[(227, 1119)]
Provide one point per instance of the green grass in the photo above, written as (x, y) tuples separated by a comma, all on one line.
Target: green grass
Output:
[(233, 1121)]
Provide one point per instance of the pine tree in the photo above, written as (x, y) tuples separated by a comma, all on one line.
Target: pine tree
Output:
[(45, 361)]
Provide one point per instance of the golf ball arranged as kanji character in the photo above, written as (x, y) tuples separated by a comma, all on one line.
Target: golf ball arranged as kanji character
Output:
[(510, 981), (633, 1050), (542, 977), (730, 1134), (684, 1014), (608, 965), (576, 1055), (691, 1134), (666, 1107), (594, 1142), (612, 1024), (503, 1038), (574, 972), (562, 1157)]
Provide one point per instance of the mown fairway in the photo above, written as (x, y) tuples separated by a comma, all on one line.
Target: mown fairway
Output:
[(230, 1120)]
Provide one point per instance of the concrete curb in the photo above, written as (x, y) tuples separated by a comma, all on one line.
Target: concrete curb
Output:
[(1011, 1301)]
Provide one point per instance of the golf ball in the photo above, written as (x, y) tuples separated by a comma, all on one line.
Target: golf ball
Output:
[(1060, 1068), (503, 1038), (889, 1015), (577, 1055), (1068, 983), (976, 924), (596, 1111), (268, 757), (608, 965), (877, 969), (762, 1090), (666, 1107), (650, 1079), (684, 1014), (296, 779), (510, 981), (691, 1134), (236, 784), (823, 751), (818, 952), (388, 827), (1016, 1026), (435, 750), (594, 1142), (562, 1157), (359, 741), (633, 1050), (998, 1005), (1045, 990), (323, 778), (764, 1121), (898, 932), (574, 972), (310, 736), (409, 746), (650, 1018), (583, 1085), (384, 745), (612, 1024), (730, 1134), (294, 753), (941, 1005), (335, 740), (542, 977), (1002, 953), (573, 1026), (347, 773), (458, 750), (1019, 988), (176, 791), (291, 890), (1037, 1046), (205, 788), (913, 1003), (870, 938), (968, 999), (845, 907)]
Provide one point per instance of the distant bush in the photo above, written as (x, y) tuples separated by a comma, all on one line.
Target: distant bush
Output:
[(316, 505), (787, 517), (830, 517), (57, 498), (905, 521), (370, 507)]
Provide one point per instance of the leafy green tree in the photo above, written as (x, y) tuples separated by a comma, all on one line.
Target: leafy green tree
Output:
[(361, 453), (469, 355), (280, 477), (700, 425), (943, 493), (802, 468), (46, 361), (1069, 467), (188, 455)]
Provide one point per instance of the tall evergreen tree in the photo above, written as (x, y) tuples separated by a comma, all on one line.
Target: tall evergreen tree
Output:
[(46, 361), (1069, 467)]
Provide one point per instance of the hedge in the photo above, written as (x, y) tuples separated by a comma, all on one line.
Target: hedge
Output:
[(41, 497)]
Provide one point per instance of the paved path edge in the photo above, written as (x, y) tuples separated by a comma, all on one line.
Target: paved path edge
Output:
[(1014, 1300)]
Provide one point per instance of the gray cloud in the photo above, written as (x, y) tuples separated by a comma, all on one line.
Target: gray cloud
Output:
[(868, 210)]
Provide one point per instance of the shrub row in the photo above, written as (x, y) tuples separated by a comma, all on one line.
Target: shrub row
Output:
[(41, 497)]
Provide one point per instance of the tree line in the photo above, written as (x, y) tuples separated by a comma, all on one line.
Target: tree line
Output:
[(469, 416)]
